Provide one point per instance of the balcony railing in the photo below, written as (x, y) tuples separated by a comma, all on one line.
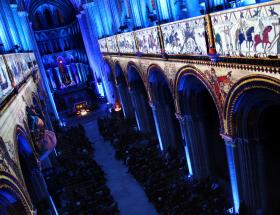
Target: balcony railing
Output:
[(250, 32), (14, 70)]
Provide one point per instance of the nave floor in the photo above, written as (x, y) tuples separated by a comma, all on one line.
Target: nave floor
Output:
[(127, 192)]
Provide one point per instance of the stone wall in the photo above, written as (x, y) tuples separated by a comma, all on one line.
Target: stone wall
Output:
[(12, 115), (220, 78)]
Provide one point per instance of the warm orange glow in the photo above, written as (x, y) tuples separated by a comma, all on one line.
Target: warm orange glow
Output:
[(117, 107)]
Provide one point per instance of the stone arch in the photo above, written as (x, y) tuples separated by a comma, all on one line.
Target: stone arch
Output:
[(140, 99), (20, 130), (252, 114), (123, 91), (200, 117), (243, 85), (154, 67), (31, 173), (117, 64), (112, 68), (193, 71), (133, 65), (10, 186), (108, 79), (163, 106)]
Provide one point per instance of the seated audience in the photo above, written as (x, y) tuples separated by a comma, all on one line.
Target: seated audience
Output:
[(164, 177)]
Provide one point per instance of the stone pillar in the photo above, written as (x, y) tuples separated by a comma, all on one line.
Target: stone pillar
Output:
[(164, 125), (195, 138), (251, 174), (75, 73), (79, 73), (141, 111), (43, 201), (157, 120), (231, 150), (82, 66), (186, 146), (7, 14), (93, 53), (50, 77), (5, 37), (19, 26), (59, 77), (50, 102), (69, 72), (125, 101)]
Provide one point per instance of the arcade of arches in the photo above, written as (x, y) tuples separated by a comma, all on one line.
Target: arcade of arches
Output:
[(225, 126)]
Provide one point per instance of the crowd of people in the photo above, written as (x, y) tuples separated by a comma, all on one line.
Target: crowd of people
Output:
[(164, 176), (77, 183)]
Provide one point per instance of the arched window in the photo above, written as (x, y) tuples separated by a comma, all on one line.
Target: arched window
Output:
[(48, 17), (60, 17), (38, 23)]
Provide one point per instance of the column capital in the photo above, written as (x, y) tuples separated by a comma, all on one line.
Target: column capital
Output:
[(79, 15), (229, 140), (179, 116), (152, 105), (226, 137), (88, 5), (13, 6), (23, 13)]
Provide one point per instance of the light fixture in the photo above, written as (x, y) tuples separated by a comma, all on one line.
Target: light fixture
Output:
[(117, 107), (83, 112)]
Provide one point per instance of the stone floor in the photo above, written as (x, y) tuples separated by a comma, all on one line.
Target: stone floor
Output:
[(126, 191)]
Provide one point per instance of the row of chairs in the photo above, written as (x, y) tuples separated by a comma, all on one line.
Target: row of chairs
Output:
[(77, 183)]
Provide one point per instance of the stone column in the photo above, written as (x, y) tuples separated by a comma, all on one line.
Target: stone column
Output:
[(83, 72), (69, 72), (51, 103), (182, 123), (164, 125), (7, 14), (79, 73), (50, 78), (19, 26), (59, 77), (162, 145), (195, 138), (141, 111), (75, 73), (251, 174), (43, 201), (5, 37), (93, 53), (125, 101), (231, 150)]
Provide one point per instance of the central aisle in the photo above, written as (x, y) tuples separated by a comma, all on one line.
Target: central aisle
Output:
[(126, 191)]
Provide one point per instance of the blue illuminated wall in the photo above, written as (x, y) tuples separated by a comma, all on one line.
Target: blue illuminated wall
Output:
[(115, 16), (12, 27)]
